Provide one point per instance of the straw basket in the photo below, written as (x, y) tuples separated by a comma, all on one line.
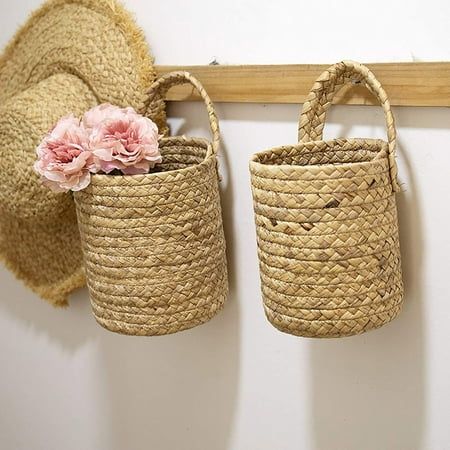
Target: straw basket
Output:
[(153, 244), (326, 222)]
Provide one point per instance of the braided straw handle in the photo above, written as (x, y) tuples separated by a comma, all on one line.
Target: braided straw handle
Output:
[(318, 102), (157, 93)]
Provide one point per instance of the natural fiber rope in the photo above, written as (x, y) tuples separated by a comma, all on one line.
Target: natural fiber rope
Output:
[(319, 100), (153, 244), (157, 94), (326, 222)]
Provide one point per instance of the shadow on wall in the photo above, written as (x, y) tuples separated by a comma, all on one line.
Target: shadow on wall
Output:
[(69, 328), (368, 390), (169, 392)]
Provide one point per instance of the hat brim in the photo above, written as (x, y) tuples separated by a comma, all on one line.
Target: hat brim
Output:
[(98, 42)]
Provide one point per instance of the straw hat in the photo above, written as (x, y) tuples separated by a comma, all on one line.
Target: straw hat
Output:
[(69, 56)]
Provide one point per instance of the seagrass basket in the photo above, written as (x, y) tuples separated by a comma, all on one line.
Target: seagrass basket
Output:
[(326, 221), (153, 245)]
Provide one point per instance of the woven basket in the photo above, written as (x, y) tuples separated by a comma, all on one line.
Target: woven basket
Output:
[(326, 222), (153, 244)]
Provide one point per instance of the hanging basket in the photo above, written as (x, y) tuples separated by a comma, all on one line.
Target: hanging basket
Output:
[(326, 221), (153, 245)]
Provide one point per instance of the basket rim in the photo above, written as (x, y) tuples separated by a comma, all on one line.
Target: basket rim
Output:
[(160, 177), (255, 161)]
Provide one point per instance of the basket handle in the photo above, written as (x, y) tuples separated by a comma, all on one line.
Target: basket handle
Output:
[(318, 102), (157, 93)]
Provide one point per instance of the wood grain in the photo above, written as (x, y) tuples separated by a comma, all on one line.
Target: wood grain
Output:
[(407, 84)]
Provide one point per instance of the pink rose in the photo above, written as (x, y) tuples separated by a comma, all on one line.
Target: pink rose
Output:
[(64, 158), (106, 111), (122, 139)]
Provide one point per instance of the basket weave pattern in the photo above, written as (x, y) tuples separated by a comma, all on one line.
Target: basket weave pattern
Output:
[(326, 222), (153, 244)]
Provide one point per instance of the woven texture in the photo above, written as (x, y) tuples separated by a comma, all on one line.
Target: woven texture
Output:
[(68, 57), (326, 221), (153, 244)]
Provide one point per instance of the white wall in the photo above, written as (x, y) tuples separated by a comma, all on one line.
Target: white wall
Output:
[(236, 383)]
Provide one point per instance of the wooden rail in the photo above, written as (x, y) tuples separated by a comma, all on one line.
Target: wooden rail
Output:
[(407, 84)]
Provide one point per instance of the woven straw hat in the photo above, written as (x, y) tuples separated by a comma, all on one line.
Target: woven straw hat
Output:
[(68, 57)]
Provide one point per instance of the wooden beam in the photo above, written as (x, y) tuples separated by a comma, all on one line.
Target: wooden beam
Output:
[(407, 84)]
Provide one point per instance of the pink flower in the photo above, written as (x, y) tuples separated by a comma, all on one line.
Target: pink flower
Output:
[(122, 139), (64, 158), (106, 111)]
